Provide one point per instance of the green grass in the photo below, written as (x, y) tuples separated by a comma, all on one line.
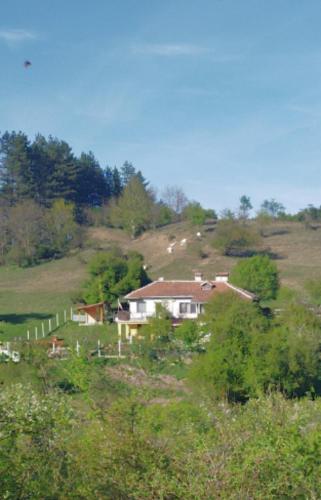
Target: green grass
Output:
[(88, 336)]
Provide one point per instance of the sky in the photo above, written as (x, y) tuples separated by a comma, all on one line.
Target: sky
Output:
[(220, 97)]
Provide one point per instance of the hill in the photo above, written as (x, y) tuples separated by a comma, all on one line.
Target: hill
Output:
[(30, 295)]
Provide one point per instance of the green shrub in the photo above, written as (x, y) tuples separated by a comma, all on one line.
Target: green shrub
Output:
[(257, 274)]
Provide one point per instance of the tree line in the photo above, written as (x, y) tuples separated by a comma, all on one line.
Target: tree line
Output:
[(43, 174), (46, 169)]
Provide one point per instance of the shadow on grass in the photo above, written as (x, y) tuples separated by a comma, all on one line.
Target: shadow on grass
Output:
[(247, 252), (17, 319)]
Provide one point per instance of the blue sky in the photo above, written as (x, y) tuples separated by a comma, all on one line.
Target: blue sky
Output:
[(220, 97)]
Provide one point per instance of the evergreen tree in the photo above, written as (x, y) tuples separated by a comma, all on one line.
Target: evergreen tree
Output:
[(91, 181), (109, 182), (127, 172), (117, 183), (15, 162)]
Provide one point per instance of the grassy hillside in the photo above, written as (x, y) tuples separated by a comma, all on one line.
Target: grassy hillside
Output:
[(297, 251), (30, 296)]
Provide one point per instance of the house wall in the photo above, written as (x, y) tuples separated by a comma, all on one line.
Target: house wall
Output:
[(172, 305)]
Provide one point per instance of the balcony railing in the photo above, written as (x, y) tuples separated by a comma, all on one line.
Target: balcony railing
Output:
[(141, 315)]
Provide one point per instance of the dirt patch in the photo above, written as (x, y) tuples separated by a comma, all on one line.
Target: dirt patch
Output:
[(139, 378)]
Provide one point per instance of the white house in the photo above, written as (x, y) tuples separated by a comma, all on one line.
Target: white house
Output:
[(184, 299)]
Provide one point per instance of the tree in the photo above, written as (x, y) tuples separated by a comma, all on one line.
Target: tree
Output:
[(117, 183), (114, 275), (292, 353), (127, 172), (5, 240), (15, 164), (27, 232), (92, 186), (259, 275), (272, 208), (195, 214), (189, 333), (175, 198), (227, 368), (162, 214), (245, 207), (133, 211), (63, 232), (233, 238)]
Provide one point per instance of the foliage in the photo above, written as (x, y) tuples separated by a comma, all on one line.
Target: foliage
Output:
[(189, 333), (245, 207), (249, 354), (133, 211), (313, 287), (114, 275), (31, 233), (292, 353), (196, 214), (33, 430), (233, 238), (309, 216), (272, 208), (227, 368), (268, 448), (175, 198), (159, 327), (259, 275)]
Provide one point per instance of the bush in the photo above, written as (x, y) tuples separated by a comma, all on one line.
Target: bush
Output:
[(233, 238), (188, 333)]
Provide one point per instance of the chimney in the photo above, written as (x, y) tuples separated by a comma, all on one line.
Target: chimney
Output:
[(198, 276), (222, 277)]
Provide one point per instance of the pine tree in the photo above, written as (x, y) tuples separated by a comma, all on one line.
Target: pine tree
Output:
[(117, 183), (15, 164), (91, 182), (127, 172)]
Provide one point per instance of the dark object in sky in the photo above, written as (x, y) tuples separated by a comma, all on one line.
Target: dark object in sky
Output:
[(27, 64)]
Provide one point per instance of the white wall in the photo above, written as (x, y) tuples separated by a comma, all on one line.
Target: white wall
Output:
[(171, 304)]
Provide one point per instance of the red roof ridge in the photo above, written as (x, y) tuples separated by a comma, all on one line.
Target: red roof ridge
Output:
[(138, 289)]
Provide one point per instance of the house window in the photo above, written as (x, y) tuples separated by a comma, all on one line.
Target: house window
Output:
[(141, 307), (187, 308)]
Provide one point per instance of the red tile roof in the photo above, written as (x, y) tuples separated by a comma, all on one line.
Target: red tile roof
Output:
[(195, 290)]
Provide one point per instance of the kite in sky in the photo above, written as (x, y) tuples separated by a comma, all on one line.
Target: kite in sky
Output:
[(27, 64)]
